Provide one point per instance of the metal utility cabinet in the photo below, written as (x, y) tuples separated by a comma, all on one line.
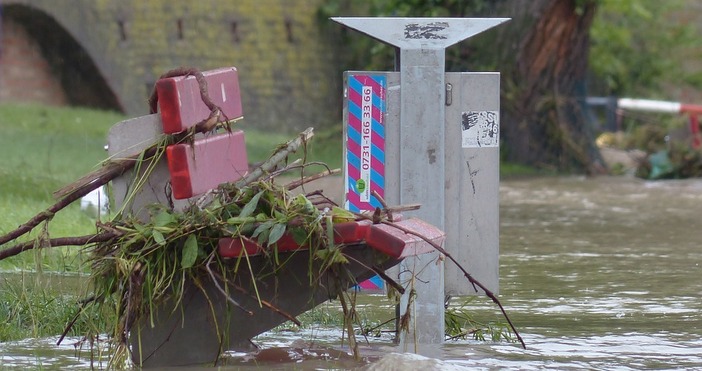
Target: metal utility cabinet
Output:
[(421, 135)]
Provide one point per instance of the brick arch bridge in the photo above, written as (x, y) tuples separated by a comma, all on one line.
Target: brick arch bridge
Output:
[(108, 53)]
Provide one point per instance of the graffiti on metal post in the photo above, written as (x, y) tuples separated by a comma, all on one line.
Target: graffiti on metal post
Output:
[(480, 129), (425, 31)]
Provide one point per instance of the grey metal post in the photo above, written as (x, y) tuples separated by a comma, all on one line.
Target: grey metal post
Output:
[(422, 179), (422, 43)]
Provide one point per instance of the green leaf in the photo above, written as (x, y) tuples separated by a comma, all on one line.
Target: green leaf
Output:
[(300, 200), (158, 237), (304, 204), (331, 256), (143, 230), (240, 220), (263, 236), (339, 258), (250, 207), (299, 235), (277, 215), (164, 229), (164, 219), (245, 229), (189, 252), (322, 254), (232, 209), (276, 233), (264, 227), (215, 204), (340, 215)]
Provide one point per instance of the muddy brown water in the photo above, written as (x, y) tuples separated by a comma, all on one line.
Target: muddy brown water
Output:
[(599, 273)]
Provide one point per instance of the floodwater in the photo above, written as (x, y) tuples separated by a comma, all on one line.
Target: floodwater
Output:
[(601, 273)]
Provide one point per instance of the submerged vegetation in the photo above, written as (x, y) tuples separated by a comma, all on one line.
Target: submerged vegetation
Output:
[(462, 324)]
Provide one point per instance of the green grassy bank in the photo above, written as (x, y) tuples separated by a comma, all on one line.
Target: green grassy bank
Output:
[(42, 149)]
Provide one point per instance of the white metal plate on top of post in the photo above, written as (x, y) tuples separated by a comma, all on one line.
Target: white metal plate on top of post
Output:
[(419, 33)]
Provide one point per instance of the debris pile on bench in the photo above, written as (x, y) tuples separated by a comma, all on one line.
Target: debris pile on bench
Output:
[(194, 228)]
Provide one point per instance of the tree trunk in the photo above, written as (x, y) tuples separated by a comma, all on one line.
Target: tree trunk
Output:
[(544, 94)]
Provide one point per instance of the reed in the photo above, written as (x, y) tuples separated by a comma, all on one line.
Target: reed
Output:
[(32, 310), (462, 324)]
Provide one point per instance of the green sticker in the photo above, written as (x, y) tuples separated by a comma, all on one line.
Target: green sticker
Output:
[(361, 185)]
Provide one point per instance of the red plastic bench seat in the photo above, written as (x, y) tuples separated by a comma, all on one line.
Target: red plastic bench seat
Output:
[(381, 237)]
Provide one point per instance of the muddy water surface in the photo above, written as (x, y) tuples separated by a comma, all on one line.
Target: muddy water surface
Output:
[(600, 273)]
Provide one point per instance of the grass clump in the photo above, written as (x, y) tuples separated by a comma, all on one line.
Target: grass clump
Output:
[(32, 310), (461, 324)]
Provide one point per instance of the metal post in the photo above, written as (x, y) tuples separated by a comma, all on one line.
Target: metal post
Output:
[(422, 178)]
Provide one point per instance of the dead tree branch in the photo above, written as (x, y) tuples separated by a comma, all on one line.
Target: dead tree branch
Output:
[(297, 183), (56, 242), (280, 155), (468, 276), (98, 178)]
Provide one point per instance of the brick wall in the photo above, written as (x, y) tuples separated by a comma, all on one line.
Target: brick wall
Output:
[(25, 76), (287, 63)]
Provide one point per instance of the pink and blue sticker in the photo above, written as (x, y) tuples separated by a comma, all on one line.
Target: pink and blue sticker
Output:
[(374, 283), (365, 149), (365, 142)]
